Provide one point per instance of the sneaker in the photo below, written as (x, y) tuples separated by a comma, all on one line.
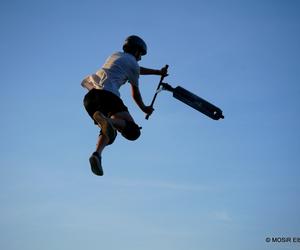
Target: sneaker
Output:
[(96, 166), (105, 125)]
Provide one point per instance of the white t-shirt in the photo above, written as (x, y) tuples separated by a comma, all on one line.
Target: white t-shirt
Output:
[(119, 68)]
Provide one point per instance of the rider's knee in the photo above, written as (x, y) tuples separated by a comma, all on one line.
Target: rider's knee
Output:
[(131, 131)]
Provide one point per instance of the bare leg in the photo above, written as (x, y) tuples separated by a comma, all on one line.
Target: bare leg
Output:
[(108, 126), (101, 144), (119, 122)]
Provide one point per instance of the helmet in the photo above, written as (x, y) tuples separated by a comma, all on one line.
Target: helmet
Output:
[(133, 43)]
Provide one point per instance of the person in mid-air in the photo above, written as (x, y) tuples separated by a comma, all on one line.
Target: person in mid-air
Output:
[(103, 102)]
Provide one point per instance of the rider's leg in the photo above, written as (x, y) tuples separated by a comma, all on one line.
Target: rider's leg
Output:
[(119, 120), (125, 124), (101, 143)]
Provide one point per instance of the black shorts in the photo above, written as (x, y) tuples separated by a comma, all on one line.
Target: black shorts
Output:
[(104, 101)]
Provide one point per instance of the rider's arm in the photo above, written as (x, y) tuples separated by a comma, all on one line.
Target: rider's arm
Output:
[(147, 71), (136, 95)]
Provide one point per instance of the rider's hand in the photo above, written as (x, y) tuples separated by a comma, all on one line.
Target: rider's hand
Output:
[(164, 71), (148, 110)]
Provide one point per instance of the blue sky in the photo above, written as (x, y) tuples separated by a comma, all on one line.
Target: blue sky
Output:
[(189, 182)]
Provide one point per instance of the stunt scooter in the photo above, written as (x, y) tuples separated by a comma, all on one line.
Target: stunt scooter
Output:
[(190, 99)]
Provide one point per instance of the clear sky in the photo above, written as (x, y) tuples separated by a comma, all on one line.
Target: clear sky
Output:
[(189, 182)]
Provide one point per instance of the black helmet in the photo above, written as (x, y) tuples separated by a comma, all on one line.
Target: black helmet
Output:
[(133, 43)]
